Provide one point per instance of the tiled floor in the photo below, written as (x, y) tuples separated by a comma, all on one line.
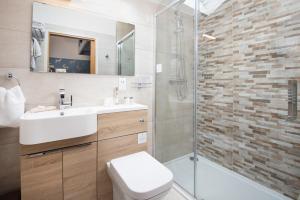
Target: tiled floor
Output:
[(174, 195)]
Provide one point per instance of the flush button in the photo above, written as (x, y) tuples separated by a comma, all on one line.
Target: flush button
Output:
[(142, 138)]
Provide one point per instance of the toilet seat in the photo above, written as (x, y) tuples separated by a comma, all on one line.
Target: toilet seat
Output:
[(140, 176)]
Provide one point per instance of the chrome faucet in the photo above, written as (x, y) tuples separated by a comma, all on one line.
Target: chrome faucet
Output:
[(63, 104)]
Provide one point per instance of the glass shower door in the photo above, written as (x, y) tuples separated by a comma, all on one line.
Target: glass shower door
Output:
[(174, 92), (248, 134), (126, 55)]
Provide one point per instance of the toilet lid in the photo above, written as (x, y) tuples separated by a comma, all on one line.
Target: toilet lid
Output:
[(141, 176)]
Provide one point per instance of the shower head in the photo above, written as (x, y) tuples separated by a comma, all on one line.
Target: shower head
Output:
[(178, 21)]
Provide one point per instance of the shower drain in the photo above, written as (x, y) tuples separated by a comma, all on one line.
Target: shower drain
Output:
[(192, 158)]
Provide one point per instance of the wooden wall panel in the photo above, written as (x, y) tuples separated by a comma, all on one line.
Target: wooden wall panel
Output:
[(9, 161)]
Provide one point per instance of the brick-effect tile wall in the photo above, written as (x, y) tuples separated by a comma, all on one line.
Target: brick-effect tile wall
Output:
[(242, 91)]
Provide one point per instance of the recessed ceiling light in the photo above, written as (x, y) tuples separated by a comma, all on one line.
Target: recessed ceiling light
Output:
[(209, 37)]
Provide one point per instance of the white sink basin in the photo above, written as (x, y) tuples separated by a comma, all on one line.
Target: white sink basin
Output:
[(49, 126)]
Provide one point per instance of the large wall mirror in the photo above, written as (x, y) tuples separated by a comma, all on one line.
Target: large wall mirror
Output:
[(72, 41)]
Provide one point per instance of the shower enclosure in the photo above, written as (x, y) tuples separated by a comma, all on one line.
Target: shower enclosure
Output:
[(227, 97), (175, 91)]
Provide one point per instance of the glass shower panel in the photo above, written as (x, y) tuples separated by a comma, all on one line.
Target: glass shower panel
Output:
[(215, 93), (248, 100), (126, 56), (174, 92)]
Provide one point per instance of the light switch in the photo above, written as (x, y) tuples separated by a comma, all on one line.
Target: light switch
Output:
[(142, 138), (122, 84)]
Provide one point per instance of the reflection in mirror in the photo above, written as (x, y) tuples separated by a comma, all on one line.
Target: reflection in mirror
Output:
[(71, 54), (125, 44), (72, 41)]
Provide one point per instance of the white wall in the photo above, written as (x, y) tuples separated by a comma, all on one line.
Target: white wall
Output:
[(72, 18), (65, 47)]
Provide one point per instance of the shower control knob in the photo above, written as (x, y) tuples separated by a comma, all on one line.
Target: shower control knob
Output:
[(141, 120)]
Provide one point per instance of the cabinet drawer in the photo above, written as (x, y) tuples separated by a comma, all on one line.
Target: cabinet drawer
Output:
[(41, 177), (108, 150), (113, 125)]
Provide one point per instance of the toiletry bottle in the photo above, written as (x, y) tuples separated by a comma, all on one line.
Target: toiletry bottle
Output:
[(116, 95), (130, 100), (126, 100)]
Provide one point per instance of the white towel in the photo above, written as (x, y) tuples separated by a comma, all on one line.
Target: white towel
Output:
[(12, 106), (36, 52), (38, 30)]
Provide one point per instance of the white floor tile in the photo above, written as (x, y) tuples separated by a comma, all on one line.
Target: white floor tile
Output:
[(174, 195)]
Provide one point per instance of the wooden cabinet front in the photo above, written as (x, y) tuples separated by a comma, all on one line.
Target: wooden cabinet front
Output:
[(108, 150), (118, 124), (41, 177), (79, 172)]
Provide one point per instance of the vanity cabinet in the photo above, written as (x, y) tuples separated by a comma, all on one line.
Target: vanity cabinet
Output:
[(75, 169), (41, 176), (65, 174)]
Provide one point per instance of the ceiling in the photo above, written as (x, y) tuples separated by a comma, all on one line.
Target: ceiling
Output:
[(206, 7)]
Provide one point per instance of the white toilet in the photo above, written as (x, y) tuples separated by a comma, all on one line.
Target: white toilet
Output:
[(139, 177)]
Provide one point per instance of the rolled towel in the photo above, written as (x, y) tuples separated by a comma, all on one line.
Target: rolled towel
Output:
[(42, 109), (12, 106)]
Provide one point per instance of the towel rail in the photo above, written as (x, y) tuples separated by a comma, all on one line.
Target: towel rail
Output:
[(11, 76)]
